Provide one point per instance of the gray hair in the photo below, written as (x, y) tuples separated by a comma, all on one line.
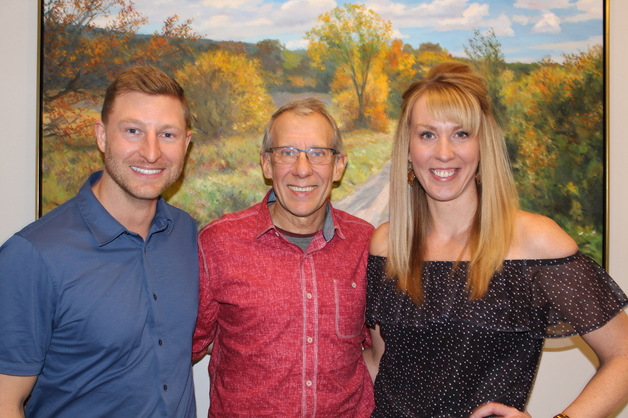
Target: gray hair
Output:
[(302, 107)]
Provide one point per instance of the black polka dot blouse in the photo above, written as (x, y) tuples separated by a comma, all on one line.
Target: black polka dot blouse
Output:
[(450, 355)]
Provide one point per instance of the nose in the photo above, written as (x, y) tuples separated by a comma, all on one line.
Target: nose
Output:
[(444, 150), (302, 166), (150, 148)]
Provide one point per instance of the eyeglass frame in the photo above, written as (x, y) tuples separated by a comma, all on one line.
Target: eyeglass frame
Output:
[(333, 150)]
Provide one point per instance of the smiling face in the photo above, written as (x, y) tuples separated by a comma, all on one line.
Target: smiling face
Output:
[(144, 143), (302, 189), (444, 156)]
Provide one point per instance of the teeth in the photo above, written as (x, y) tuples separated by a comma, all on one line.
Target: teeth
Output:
[(302, 189), (444, 173), (145, 171)]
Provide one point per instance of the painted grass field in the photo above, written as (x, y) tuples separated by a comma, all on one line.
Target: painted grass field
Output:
[(219, 177)]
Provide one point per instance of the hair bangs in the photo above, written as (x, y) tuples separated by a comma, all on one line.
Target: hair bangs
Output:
[(451, 104)]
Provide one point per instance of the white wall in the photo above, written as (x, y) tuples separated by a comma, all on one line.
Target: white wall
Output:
[(18, 112), (563, 371)]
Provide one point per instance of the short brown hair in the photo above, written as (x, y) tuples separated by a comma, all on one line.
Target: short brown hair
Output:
[(147, 80)]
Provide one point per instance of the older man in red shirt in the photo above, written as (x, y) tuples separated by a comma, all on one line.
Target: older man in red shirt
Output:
[(283, 285)]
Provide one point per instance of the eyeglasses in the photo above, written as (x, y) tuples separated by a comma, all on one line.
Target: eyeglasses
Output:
[(315, 155)]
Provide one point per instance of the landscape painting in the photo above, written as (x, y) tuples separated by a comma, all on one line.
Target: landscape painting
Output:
[(238, 60)]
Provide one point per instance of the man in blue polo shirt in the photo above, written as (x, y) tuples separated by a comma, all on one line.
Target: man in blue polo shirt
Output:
[(98, 298)]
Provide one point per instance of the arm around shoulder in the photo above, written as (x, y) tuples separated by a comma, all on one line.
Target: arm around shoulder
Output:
[(14, 391), (373, 355)]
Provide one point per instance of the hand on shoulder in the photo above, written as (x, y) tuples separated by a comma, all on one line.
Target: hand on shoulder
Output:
[(379, 241), (539, 237)]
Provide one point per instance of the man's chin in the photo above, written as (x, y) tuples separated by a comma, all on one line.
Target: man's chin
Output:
[(146, 193)]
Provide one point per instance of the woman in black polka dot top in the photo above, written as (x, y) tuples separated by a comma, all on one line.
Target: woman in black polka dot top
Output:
[(464, 286)]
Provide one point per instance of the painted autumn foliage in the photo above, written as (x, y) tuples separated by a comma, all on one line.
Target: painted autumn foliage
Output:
[(556, 126), (81, 59), (355, 40), (227, 94), (552, 113)]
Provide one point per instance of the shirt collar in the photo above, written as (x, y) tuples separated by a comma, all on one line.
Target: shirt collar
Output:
[(266, 223), (105, 227)]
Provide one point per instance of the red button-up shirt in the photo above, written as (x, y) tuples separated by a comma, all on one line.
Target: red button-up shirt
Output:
[(287, 325)]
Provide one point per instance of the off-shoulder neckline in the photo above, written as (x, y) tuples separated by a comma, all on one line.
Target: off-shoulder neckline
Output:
[(513, 262)]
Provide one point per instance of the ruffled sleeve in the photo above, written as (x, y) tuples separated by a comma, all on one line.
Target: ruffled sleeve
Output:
[(546, 298), (574, 295)]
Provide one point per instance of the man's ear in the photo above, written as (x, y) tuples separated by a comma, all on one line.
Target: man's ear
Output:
[(188, 138), (101, 135), (267, 168), (339, 165)]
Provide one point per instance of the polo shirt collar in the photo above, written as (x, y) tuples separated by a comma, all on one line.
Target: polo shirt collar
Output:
[(266, 223), (163, 218), (105, 227)]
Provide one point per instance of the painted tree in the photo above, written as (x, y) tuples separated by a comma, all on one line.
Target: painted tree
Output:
[(81, 58), (487, 56), (77, 53), (402, 71), (298, 73), (356, 40), (174, 45), (270, 55), (227, 94), (375, 101), (557, 124), (429, 54)]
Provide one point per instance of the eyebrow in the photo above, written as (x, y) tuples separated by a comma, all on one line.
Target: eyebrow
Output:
[(433, 128), (142, 123), (424, 125)]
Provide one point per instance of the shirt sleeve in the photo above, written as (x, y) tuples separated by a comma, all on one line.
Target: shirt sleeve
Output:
[(207, 307), (27, 305), (575, 296)]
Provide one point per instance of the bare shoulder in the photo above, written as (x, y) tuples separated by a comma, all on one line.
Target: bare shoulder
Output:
[(379, 241), (539, 237)]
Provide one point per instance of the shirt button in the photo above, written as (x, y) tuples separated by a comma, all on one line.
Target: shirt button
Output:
[(160, 342), (309, 296), (309, 383), (165, 387), (353, 285), (309, 339), (154, 296)]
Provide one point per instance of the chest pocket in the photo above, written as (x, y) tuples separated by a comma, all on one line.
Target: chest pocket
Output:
[(350, 301)]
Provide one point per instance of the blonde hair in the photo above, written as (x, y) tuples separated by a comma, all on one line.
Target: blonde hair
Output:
[(453, 93)]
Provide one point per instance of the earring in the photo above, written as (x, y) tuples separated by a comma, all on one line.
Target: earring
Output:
[(411, 175)]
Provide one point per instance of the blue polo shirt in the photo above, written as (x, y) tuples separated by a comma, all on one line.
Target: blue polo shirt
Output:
[(104, 318)]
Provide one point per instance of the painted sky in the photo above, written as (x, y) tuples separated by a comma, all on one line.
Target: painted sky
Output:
[(527, 29)]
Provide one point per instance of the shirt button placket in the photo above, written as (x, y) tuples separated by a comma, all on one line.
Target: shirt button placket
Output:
[(310, 336), (309, 340)]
